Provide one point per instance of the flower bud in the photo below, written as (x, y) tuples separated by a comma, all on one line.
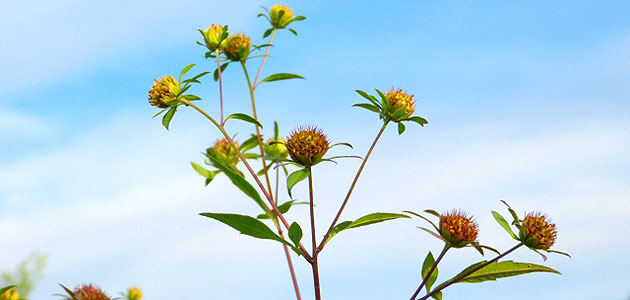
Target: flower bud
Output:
[(237, 47), (399, 100), (280, 16), (163, 91), (225, 153), (10, 294), (538, 232), (213, 35), (134, 293), (277, 149), (90, 292), (307, 145), (458, 229)]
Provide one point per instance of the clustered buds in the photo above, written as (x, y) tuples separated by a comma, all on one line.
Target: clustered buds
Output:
[(237, 47), (458, 229), (538, 232), (90, 292), (225, 153), (10, 294), (163, 91), (400, 100), (307, 145), (276, 148), (212, 35), (281, 16), (134, 293)]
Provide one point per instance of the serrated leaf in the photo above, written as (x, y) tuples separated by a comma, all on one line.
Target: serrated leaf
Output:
[(367, 106), (247, 225), (401, 128), (281, 76), (497, 216), (429, 261), (166, 120), (295, 233), (244, 117), (296, 177)]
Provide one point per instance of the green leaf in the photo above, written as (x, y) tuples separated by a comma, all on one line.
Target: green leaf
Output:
[(247, 226), (209, 175), (295, 233), (237, 180), (363, 221), (186, 69), (401, 128), (249, 143), (504, 224), (216, 71), (283, 208), (299, 18), (437, 295), (429, 261), (367, 106), (420, 120), (166, 120), (268, 32), (296, 177), (191, 97), (244, 117), (369, 97), (4, 289), (293, 31), (338, 228), (281, 76), (506, 268), (383, 98)]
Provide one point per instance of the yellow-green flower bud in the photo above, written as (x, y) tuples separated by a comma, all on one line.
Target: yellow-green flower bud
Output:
[(539, 232), (277, 149), (237, 47), (307, 145), (399, 100), (90, 292), (280, 16), (213, 35), (10, 294), (458, 229), (225, 153), (163, 91), (134, 293)]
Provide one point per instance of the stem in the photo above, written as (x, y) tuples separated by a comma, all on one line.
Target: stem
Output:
[(426, 277), (354, 182), (314, 241), (463, 275), (262, 64), (260, 143), (251, 171), (220, 88)]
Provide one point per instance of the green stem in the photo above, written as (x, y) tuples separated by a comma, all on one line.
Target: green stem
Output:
[(463, 275), (433, 267), (262, 64), (354, 183), (314, 265), (220, 87)]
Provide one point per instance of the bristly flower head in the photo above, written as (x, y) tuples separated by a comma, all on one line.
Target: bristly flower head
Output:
[(212, 36), (163, 91), (458, 229), (90, 292), (225, 153), (307, 145), (539, 232), (134, 293), (10, 294), (276, 148), (401, 104), (237, 47), (281, 16)]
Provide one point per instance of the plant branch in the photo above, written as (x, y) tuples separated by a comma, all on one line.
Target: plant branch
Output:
[(262, 64), (220, 88), (426, 277), (313, 236), (473, 270), (354, 182)]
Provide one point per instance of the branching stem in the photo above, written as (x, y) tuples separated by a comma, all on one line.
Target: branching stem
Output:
[(433, 267)]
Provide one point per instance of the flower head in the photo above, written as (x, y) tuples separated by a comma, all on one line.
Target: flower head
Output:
[(237, 47), (225, 153), (10, 294), (134, 293), (538, 232), (163, 91), (401, 104), (457, 228), (276, 148), (307, 145), (90, 292), (280, 15), (212, 35)]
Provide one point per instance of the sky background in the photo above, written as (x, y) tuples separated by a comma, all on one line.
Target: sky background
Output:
[(527, 102)]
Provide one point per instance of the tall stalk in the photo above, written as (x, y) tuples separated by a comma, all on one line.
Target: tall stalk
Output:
[(314, 265), (220, 87)]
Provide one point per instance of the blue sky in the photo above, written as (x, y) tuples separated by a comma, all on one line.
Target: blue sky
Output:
[(527, 102)]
